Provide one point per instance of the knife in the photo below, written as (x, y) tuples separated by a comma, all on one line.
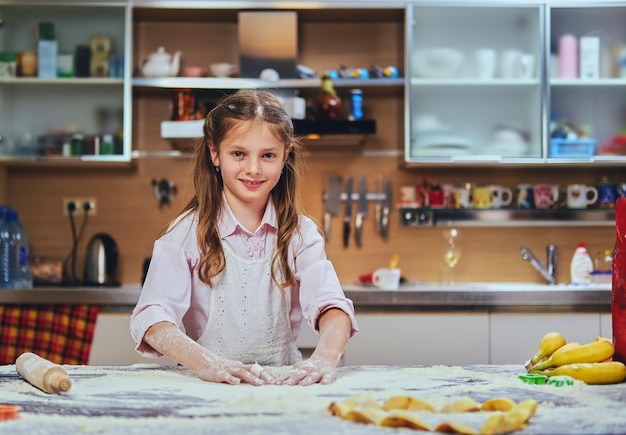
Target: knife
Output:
[(361, 212), (334, 185), (348, 215), (378, 207), (384, 221)]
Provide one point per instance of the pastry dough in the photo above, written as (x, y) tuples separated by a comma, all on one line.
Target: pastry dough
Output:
[(492, 417)]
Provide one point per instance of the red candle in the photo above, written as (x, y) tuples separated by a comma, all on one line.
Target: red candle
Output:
[(618, 305)]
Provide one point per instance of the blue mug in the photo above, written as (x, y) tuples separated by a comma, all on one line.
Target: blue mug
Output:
[(525, 196), (607, 195)]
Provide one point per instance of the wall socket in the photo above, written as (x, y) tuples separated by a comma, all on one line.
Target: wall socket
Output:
[(80, 206)]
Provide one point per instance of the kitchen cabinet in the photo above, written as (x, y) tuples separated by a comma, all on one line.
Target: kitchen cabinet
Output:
[(456, 113), (112, 344), (38, 113), (420, 338), (606, 325), (455, 116), (514, 337), (591, 98)]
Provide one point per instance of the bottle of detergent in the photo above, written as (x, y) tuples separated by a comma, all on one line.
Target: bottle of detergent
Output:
[(581, 266)]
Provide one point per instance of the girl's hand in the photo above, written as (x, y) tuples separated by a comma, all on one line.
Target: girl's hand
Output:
[(233, 372), (312, 371)]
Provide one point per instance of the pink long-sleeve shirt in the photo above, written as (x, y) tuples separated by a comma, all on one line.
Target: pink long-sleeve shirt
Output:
[(173, 292)]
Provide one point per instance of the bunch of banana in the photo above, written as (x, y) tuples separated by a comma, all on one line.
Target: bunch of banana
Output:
[(548, 344), (584, 362)]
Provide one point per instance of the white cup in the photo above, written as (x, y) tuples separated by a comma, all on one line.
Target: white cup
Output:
[(526, 66), (501, 196), (387, 279), (509, 64), (580, 196), (486, 63)]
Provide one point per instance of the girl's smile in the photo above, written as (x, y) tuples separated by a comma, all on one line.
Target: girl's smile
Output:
[(251, 160)]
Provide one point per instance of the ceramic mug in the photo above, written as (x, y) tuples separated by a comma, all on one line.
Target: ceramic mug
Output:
[(462, 197), (482, 197), (545, 195), (607, 195), (486, 63), (526, 66), (509, 64), (500, 196), (580, 196), (387, 279), (525, 196)]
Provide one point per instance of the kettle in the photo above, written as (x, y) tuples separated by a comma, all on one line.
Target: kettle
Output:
[(101, 261)]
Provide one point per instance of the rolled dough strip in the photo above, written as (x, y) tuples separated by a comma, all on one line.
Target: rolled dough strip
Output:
[(43, 374)]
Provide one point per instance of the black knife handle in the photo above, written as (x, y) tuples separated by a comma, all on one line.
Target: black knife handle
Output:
[(346, 234)]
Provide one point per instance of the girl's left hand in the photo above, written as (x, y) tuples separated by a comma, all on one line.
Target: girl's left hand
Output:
[(315, 370)]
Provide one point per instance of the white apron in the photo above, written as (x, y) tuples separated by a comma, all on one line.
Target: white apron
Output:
[(249, 315)]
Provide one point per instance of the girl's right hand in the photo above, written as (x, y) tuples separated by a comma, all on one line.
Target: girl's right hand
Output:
[(223, 370)]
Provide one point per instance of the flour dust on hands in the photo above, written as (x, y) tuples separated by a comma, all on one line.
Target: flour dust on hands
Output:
[(228, 371), (315, 370)]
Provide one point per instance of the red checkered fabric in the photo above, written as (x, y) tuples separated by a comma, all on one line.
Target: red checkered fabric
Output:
[(59, 333)]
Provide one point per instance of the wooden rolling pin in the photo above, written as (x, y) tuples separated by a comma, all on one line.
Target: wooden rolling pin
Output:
[(43, 374)]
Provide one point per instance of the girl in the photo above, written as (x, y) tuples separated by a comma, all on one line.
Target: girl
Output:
[(241, 266)]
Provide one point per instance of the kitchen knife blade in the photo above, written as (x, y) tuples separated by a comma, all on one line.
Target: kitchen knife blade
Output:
[(334, 186), (378, 207), (348, 214), (384, 223), (361, 211)]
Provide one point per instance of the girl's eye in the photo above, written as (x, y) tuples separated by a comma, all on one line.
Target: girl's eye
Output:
[(237, 154), (269, 155)]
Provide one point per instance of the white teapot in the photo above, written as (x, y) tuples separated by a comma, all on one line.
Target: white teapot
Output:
[(161, 64)]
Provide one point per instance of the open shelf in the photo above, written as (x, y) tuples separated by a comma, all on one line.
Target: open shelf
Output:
[(505, 217)]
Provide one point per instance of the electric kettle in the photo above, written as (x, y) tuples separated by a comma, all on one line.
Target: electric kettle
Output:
[(101, 261)]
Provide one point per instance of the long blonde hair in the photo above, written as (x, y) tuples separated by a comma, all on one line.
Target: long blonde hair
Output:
[(232, 112)]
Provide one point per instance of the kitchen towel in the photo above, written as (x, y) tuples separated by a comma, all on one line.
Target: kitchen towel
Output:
[(59, 333)]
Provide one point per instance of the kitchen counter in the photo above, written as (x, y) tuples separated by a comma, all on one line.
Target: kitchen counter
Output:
[(410, 297), (149, 399)]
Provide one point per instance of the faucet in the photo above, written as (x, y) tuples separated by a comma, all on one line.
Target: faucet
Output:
[(548, 272)]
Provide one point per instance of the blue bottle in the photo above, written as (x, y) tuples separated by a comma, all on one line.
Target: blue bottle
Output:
[(7, 251), (356, 104), (22, 276)]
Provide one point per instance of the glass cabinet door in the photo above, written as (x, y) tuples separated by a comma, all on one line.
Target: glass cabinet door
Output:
[(587, 77), (474, 92)]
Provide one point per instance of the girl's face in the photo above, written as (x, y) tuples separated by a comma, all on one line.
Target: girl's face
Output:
[(251, 160)]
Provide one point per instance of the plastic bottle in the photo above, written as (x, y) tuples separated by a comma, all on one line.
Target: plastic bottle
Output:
[(356, 104), (22, 275), (581, 266), (7, 251), (568, 56)]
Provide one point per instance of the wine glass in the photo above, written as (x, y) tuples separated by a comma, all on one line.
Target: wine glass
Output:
[(451, 254)]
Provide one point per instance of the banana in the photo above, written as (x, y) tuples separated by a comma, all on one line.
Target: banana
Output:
[(609, 372), (595, 351), (548, 344), (564, 348)]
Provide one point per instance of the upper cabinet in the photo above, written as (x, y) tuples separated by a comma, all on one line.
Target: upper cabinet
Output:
[(516, 84), (63, 91), (587, 82), (474, 93)]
